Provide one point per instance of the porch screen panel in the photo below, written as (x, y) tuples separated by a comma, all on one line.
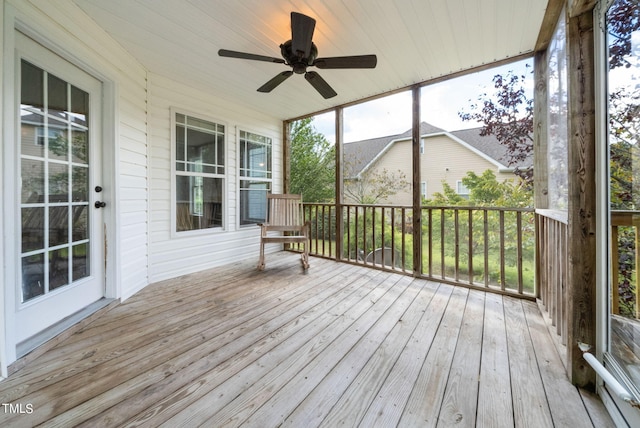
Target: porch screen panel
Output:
[(558, 183)]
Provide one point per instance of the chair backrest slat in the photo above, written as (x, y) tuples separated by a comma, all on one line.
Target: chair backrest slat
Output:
[(285, 210)]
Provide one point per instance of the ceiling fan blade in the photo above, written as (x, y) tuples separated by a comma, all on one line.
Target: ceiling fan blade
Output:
[(302, 27), (244, 55), (320, 84), (271, 84), (357, 61)]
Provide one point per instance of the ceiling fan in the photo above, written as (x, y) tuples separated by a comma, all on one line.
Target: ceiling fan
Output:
[(299, 53)]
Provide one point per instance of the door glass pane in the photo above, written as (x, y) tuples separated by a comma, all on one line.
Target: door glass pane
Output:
[(58, 182), (32, 92), (32, 229), (623, 34), (79, 106), (58, 226), (54, 182), (79, 145), (32, 276), (32, 133), (57, 139), (57, 96), (80, 223), (80, 184), (58, 268), (80, 261), (32, 181)]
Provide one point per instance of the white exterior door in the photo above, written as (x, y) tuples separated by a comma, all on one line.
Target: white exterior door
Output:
[(59, 213)]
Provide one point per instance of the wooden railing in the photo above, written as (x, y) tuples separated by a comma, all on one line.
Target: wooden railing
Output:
[(552, 267), (479, 247)]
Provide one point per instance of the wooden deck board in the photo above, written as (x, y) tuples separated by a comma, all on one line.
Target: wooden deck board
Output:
[(529, 407), (340, 346), (460, 398), (495, 405)]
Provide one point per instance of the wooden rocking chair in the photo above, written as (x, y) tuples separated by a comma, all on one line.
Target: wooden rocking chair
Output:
[(285, 216)]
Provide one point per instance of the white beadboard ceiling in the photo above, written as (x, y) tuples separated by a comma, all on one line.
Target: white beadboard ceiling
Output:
[(415, 40)]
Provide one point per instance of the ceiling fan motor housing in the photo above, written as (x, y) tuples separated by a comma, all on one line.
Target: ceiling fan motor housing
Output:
[(296, 59)]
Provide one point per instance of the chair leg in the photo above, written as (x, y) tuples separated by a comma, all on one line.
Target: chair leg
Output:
[(305, 256), (261, 261)]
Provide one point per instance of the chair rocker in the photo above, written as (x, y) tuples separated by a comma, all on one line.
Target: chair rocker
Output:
[(285, 216)]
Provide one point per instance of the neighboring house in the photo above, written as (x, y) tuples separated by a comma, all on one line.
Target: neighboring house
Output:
[(445, 156)]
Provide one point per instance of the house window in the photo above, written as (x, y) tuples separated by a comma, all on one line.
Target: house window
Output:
[(255, 177), (423, 189), (421, 147), (461, 189), (200, 169)]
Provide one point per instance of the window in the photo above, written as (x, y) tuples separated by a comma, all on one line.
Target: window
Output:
[(255, 177), (200, 169), (423, 189), (421, 147), (461, 189)]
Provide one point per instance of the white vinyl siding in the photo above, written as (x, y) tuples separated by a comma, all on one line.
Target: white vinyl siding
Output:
[(173, 254)]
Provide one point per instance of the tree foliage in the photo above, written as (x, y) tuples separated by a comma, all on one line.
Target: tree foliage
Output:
[(623, 19), (507, 115), (485, 191), (312, 163)]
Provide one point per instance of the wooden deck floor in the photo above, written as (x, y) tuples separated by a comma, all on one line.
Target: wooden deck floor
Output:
[(341, 346)]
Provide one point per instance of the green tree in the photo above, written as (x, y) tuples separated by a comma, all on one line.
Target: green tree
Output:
[(508, 115), (485, 191), (312, 163)]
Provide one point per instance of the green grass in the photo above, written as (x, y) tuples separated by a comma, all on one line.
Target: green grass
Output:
[(494, 276)]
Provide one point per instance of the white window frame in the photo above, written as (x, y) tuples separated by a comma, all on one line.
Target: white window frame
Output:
[(245, 175), (423, 189), (175, 173)]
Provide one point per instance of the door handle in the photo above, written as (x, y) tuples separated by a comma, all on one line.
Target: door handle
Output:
[(100, 204)]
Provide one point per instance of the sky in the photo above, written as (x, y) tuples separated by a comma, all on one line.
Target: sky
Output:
[(441, 103)]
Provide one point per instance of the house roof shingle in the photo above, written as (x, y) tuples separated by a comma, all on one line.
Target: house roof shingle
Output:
[(360, 154)]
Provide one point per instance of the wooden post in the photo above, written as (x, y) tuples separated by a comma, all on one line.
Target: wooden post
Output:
[(286, 156), (339, 184), (540, 149), (581, 296), (417, 197)]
